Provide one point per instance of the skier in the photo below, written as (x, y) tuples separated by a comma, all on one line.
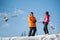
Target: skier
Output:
[(46, 22), (32, 24)]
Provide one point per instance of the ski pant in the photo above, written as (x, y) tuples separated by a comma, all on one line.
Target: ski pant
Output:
[(32, 31), (46, 28)]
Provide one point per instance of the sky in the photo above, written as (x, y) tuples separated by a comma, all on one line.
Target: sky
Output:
[(22, 8)]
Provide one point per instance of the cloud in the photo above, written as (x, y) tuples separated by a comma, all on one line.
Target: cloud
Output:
[(0, 18), (18, 12), (51, 24), (5, 24), (4, 14)]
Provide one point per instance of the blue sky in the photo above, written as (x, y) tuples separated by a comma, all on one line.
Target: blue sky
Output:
[(22, 8)]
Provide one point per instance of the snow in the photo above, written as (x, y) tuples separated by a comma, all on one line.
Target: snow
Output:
[(39, 37)]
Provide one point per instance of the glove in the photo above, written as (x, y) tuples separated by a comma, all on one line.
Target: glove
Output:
[(43, 22)]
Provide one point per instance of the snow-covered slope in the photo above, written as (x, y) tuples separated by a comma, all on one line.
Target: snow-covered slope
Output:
[(40, 37)]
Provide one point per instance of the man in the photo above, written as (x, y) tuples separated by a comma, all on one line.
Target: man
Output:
[(32, 24), (46, 22)]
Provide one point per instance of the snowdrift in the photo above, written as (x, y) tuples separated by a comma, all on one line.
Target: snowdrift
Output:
[(39, 37)]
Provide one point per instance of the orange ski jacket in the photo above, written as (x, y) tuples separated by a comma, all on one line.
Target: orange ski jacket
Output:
[(32, 21)]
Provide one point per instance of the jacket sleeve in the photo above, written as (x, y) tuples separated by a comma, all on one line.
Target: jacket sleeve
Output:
[(35, 20), (29, 19)]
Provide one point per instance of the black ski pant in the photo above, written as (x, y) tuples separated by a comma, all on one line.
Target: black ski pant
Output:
[(32, 31), (46, 28)]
